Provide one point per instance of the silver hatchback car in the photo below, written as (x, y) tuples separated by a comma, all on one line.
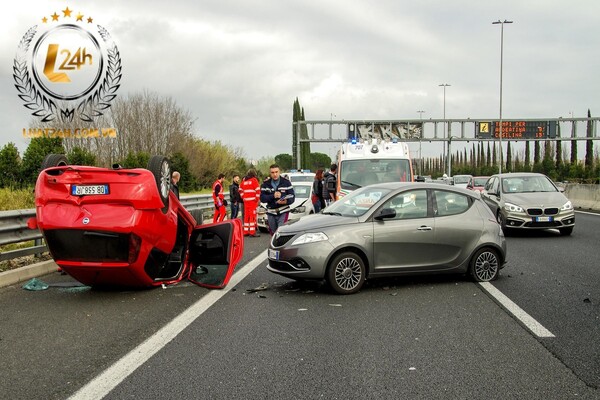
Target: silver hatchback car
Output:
[(391, 229), (528, 200)]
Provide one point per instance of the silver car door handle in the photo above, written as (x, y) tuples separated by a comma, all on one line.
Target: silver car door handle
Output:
[(424, 228)]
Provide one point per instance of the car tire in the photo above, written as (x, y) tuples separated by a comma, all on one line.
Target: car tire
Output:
[(566, 231), (263, 230), (161, 169), (54, 160), (485, 265), (501, 221), (346, 273)]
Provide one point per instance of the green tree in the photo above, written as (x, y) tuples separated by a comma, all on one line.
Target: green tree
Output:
[(319, 161), (34, 155), (285, 161), (79, 156), (589, 147), (527, 162), (10, 165), (508, 157), (179, 163), (135, 160)]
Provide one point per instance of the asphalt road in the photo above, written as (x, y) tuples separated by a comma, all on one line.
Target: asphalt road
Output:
[(427, 337)]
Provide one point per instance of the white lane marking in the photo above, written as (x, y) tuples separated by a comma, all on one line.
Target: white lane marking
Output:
[(535, 327), (588, 213), (116, 373)]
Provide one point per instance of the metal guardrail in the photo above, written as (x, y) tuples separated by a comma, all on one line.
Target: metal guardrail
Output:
[(13, 225)]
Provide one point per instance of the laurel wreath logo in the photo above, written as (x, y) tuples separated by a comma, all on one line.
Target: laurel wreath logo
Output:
[(45, 107)]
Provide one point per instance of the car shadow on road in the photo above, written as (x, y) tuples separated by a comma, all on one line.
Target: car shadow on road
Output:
[(387, 284)]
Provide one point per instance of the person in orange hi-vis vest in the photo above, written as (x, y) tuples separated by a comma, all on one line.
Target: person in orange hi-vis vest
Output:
[(250, 192), (219, 199)]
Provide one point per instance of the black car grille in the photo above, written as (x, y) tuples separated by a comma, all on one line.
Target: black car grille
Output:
[(539, 211), (551, 224), (281, 240), (535, 211), (82, 245)]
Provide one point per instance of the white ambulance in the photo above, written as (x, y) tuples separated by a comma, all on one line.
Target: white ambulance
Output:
[(362, 163)]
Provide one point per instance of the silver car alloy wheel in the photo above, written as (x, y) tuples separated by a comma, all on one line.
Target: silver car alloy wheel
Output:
[(486, 266), (165, 178), (348, 273)]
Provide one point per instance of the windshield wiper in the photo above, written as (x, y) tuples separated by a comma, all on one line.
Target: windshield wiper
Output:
[(332, 213), (351, 184)]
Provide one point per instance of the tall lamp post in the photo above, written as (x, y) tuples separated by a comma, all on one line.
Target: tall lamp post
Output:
[(420, 141), (501, 61), (445, 85)]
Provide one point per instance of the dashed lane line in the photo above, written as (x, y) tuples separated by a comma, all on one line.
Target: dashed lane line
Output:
[(530, 323)]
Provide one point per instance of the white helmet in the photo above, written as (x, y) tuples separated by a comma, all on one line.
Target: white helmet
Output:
[(444, 176)]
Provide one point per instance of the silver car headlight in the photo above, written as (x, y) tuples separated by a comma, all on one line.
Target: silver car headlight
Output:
[(513, 208), (311, 237), (567, 206), (299, 210)]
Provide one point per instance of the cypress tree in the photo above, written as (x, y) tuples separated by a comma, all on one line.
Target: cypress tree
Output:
[(589, 147), (508, 157)]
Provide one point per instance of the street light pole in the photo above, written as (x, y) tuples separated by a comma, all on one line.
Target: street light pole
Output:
[(445, 85), (420, 141), (501, 62)]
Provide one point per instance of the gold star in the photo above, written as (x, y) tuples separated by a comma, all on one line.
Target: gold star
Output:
[(90, 20), (80, 17), (44, 20), (67, 12), (54, 17)]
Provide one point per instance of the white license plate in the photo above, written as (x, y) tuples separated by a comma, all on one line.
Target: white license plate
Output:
[(273, 254), (543, 219), (84, 190)]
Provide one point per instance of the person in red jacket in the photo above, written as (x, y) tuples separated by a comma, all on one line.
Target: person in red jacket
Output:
[(219, 199), (250, 192)]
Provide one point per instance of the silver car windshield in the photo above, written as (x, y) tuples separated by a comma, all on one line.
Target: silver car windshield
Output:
[(357, 203), (527, 184)]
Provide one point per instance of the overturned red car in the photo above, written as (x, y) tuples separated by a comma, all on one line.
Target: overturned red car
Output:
[(125, 227)]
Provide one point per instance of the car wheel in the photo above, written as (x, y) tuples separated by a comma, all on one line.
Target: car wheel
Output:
[(566, 231), (263, 230), (485, 265), (346, 273), (161, 169), (54, 160)]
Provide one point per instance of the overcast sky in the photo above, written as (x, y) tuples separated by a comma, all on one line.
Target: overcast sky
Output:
[(237, 66)]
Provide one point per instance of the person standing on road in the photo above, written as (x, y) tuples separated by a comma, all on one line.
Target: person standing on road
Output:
[(278, 193), (250, 193), (317, 192), (174, 181), (219, 199), (330, 185), (234, 196)]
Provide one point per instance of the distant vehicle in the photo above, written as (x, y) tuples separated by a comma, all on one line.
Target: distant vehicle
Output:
[(477, 183), (391, 229), (125, 227), (301, 206), (300, 176), (461, 180), (528, 201), (362, 163)]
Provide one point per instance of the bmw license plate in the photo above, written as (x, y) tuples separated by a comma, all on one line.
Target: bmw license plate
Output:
[(273, 254), (543, 219), (84, 190)]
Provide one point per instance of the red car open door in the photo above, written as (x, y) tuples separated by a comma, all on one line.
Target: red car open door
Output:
[(215, 250)]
